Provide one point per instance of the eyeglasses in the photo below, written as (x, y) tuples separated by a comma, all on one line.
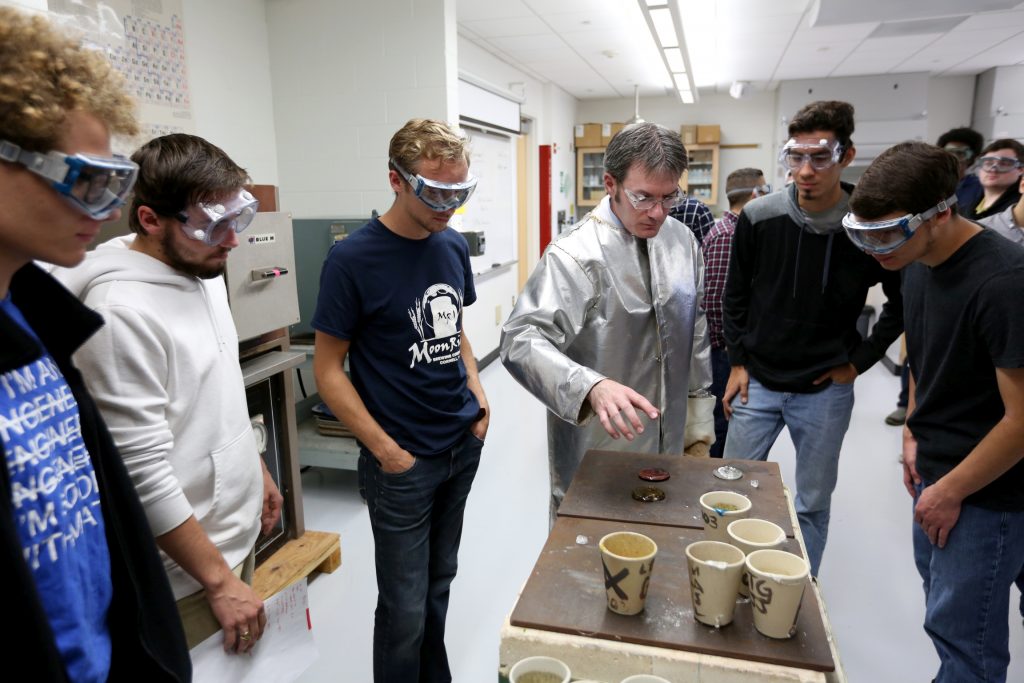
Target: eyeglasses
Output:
[(999, 164), (820, 156), (217, 220), (643, 203), (437, 195), (883, 237), (94, 185)]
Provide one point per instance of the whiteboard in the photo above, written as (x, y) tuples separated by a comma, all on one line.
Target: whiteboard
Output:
[(492, 208)]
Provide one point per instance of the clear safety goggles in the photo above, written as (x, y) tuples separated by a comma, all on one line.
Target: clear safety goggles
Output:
[(882, 237), (998, 164), (437, 195), (961, 152), (757, 190), (94, 185), (821, 156), (643, 203), (216, 220)]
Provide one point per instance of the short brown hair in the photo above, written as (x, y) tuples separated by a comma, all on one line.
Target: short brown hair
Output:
[(178, 170), (911, 176), (740, 184), (831, 115), (426, 139), (45, 74), (1005, 143)]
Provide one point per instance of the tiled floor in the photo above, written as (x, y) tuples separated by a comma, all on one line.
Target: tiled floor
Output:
[(870, 586)]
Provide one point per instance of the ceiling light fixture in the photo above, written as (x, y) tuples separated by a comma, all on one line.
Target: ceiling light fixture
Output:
[(666, 28)]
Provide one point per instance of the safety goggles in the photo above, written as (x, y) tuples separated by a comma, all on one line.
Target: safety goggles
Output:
[(643, 203), (821, 156), (757, 190), (961, 152), (997, 164), (435, 194), (882, 237), (212, 222), (94, 185)]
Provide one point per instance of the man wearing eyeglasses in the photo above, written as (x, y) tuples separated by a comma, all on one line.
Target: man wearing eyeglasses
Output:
[(391, 302), (609, 325), (963, 463), (796, 289), (741, 186), (999, 169), (165, 373), (86, 594)]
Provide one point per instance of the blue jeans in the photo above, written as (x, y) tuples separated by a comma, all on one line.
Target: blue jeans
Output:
[(817, 423), (416, 517), (967, 592), (719, 378)]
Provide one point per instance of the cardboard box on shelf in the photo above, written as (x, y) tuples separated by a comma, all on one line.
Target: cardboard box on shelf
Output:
[(688, 134), (709, 135), (608, 131), (588, 135)]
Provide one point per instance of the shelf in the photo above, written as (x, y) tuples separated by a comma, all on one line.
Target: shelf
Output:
[(317, 450)]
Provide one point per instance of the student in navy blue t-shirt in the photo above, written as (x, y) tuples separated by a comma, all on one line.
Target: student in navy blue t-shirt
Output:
[(86, 592), (391, 298)]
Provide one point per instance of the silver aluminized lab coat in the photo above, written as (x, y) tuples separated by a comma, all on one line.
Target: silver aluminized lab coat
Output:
[(588, 312)]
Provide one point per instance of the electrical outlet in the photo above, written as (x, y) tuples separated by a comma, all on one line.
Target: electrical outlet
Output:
[(497, 314)]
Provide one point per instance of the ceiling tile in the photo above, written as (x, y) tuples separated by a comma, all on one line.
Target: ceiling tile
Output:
[(477, 10), (993, 20), (513, 26)]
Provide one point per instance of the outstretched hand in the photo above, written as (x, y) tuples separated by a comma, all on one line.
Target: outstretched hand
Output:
[(616, 405)]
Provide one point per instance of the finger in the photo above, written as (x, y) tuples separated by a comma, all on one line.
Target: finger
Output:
[(230, 640), (607, 424), (943, 536), (643, 404), (908, 480), (744, 387), (821, 379), (620, 424), (630, 414)]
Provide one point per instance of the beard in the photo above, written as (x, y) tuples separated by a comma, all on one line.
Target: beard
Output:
[(176, 259)]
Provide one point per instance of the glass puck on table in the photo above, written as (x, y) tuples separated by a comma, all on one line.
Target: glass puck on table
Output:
[(653, 474), (728, 472), (648, 494)]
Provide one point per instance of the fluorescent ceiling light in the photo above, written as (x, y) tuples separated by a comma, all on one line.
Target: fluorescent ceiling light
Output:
[(662, 19), (674, 57)]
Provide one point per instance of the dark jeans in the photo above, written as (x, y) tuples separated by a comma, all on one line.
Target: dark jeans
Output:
[(720, 368), (416, 517)]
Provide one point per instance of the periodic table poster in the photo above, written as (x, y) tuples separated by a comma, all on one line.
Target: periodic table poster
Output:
[(145, 41)]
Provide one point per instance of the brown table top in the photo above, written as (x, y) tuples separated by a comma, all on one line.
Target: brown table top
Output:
[(565, 593), (603, 485)]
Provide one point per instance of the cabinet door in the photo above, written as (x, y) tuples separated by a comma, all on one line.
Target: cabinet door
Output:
[(701, 180), (589, 176)]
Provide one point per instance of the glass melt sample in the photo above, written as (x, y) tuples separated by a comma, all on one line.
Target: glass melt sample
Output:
[(648, 494), (653, 474), (728, 472)]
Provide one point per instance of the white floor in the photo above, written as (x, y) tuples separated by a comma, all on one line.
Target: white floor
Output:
[(870, 586)]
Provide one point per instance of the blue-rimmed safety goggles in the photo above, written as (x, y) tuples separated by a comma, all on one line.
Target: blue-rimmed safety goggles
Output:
[(218, 219), (883, 237), (94, 185), (435, 194)]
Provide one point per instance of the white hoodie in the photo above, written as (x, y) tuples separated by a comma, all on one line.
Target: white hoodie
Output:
[(164, 371)]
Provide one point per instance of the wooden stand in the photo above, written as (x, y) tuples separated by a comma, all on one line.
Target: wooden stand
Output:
[(314, 551)]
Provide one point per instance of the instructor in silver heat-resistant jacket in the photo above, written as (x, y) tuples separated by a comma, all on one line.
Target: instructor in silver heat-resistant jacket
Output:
[(610, 322)]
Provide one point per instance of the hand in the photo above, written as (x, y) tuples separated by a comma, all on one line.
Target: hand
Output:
[(937, 512), (612, 402), (909, 459), (840, 374), (239, 611), (479, 428), (397, 461), (738, 383), (272, 502)]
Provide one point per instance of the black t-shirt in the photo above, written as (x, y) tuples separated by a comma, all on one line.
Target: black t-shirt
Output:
[(399, 301), (964, 319)]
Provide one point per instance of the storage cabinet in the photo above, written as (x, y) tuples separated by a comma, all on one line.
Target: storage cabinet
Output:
[(589, 176), (701, 180)]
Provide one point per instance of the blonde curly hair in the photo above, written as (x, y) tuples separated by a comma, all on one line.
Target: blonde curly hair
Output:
[(44, 74), (426, 139)]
